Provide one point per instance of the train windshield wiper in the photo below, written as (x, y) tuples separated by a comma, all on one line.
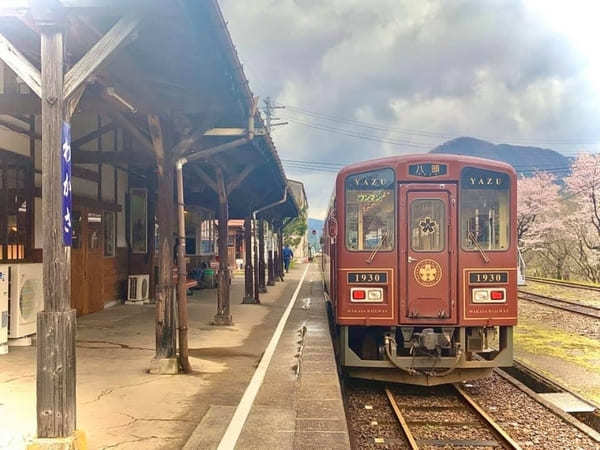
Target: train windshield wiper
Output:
[(369, 260), (476, 243)]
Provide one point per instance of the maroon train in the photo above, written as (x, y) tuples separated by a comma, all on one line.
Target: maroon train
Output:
[(419, 264)]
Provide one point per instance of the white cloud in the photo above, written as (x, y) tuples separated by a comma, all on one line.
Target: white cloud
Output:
[(498, 69)]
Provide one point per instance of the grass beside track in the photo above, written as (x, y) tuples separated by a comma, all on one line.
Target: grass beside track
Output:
[(589, 298), (535, 339)]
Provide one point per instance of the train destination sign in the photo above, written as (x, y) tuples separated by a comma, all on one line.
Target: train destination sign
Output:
[(488, 277), (427, 170), (367, 277), (375, 180), (472, 178)]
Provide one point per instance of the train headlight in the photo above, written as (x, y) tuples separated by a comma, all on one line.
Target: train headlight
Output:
[(489, 295), (366, 295), (375, 295)]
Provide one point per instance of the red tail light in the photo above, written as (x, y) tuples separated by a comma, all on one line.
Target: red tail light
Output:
[(359, 294), (497, 295)]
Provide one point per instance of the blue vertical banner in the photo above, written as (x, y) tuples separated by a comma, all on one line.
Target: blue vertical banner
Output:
[(66, 185)]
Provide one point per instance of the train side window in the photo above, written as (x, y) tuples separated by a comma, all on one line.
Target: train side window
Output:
[(484, 209), (427, 225), (370, 210)]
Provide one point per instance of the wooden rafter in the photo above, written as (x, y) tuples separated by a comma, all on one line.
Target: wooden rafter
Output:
[(205, 178), (235, 183), (186, 143), (211, 151), (107, 44), (18, 129), (133, 130), (93, 135), (21, 66)]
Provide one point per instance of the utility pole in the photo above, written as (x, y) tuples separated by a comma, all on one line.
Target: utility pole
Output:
[(269, 109)]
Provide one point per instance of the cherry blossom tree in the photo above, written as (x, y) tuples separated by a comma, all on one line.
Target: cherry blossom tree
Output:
[(539, 206), (583, 194)]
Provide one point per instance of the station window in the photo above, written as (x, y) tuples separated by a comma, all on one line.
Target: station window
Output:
[(207, 237), (16, 202), (370, 210), (484, 209)]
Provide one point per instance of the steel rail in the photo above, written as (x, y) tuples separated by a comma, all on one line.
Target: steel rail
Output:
[(487, 418), (542, 379), (405, 429), (468, 400), (571, 284), (565, 305)]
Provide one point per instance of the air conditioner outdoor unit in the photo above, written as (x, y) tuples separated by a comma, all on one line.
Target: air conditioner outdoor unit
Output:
[(138, 288), (26, 300), (3, 310)]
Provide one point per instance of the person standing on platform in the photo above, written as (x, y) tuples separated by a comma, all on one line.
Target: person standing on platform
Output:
[(288, 254)]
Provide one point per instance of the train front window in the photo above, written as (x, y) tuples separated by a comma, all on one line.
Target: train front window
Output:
[(427, 225), (484, 210), (370, 210)]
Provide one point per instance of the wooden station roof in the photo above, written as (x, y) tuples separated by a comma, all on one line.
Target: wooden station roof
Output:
[(179, 64)]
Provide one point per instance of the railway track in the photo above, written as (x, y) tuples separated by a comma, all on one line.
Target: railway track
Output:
[(565, 305), (453, 410), (570, 284)]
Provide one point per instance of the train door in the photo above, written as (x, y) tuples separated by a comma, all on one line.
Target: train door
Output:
[(429, 251)]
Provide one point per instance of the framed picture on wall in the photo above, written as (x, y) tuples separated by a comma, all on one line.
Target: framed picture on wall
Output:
[(138, 226)]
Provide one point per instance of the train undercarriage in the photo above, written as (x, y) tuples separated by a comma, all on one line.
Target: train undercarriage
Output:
[(423, 355)]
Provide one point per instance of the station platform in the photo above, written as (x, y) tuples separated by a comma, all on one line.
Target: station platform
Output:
[(122, 406), (294, 399)]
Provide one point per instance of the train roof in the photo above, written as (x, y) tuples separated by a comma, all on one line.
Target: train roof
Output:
[(435, 158)]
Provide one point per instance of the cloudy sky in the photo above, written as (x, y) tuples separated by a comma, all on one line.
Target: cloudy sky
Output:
[(364, 79)]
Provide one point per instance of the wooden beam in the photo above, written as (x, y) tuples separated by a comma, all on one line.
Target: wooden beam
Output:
[(205, 178), (57, 323), (223, 316), (211, 151), (165, 310), (93, 135), (234, 184), (134, 131), (20, 65), (17, 129), (86, 174), (248, 270), (72, 102), (186, 143), (226, 132), (107, 44), (109, 157), (80, 72)]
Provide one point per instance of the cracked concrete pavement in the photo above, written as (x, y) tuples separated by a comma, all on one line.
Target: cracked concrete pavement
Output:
[(120, 405)]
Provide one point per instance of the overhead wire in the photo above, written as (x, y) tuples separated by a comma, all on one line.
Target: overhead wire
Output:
[(434, 134)]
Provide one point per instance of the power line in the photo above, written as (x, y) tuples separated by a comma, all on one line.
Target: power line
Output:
[(433, 134)]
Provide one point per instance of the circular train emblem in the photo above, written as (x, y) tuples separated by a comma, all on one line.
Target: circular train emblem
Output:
[(428, 273)]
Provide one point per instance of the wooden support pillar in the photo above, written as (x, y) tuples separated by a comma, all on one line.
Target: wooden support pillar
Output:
[(270, 262), (165, 303), (248, 269), (223, 316), (56, 324), (280, 250), (262, 287)]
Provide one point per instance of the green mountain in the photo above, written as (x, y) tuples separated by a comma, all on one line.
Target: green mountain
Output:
[(524, 159)]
